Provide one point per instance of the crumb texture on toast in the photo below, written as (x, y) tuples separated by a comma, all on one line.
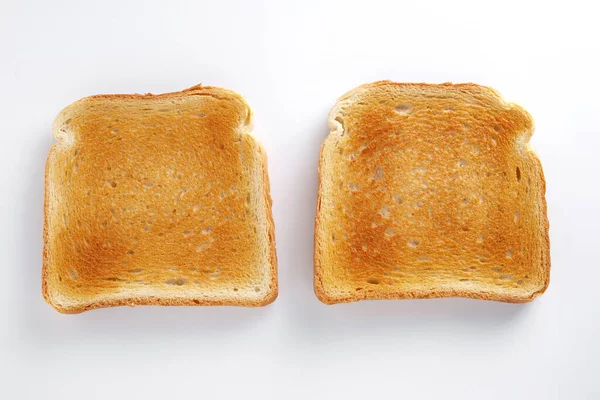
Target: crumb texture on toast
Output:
[(429, 191), (157, 199)]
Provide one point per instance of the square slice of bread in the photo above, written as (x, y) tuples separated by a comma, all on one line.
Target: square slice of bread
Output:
[(157, 199), (430, 191)]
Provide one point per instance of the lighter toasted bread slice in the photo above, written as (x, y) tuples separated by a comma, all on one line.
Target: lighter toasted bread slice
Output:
[(157, 200), (430, 191)]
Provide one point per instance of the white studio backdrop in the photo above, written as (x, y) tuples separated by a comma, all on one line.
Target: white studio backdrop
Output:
[(292, 59)]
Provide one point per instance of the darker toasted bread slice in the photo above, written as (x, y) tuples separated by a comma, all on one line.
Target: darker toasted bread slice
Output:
[(430, 191)]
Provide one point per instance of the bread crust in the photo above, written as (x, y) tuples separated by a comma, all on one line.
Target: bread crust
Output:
[(362, 119), (84, 293)]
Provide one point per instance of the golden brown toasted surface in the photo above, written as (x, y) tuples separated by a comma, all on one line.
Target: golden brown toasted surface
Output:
[(429, 191), (157, 200)]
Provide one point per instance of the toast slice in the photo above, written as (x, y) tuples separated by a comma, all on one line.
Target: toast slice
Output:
[(429, 191), (157, 199)]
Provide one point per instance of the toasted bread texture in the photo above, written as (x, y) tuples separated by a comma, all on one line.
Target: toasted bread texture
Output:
[(157, 199), (430, 191)]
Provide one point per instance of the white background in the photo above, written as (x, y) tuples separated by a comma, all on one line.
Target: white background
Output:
[(292, 60)]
